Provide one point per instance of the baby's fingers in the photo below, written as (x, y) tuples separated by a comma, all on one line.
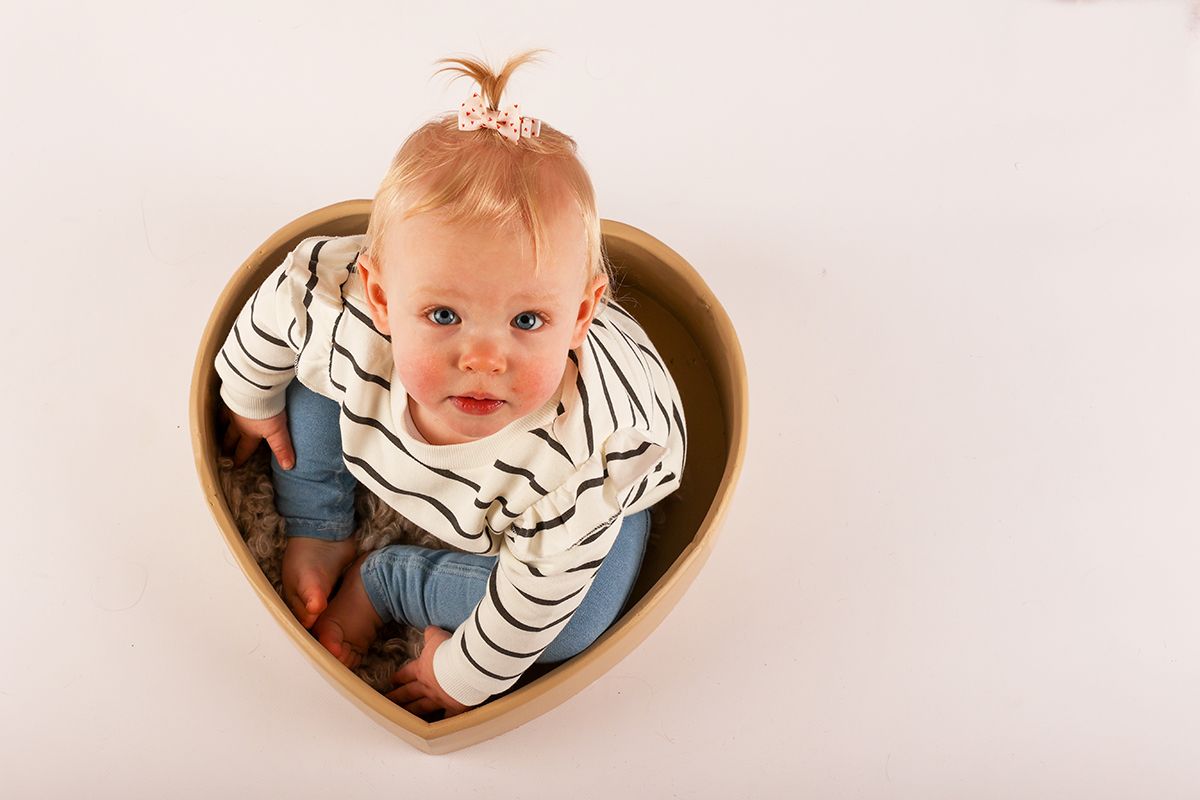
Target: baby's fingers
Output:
[(407, 693), (412, 697), (245, 448), (426, 705), (281, 446)]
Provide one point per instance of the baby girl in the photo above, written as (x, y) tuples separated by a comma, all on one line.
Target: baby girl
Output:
[(465, 360)]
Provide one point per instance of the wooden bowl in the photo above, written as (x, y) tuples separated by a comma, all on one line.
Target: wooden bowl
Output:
[(698, 343)]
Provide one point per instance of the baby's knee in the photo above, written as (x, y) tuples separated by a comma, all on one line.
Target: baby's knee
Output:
[(580, 633)]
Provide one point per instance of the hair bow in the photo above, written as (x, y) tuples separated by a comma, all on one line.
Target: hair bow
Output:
[(474, 114)]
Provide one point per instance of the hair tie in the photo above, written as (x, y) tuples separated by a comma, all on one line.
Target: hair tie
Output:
[(474, 114)]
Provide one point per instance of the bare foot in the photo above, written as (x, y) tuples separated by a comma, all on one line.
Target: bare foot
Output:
[(310, 569), (350, 624)]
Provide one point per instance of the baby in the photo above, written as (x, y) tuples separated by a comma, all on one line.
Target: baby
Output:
[(466, 361)]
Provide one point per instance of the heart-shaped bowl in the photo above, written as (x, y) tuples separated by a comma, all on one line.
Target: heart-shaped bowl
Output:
[(696, 339)]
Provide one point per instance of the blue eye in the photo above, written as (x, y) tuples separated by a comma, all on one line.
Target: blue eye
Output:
[(440, 316), (528, 318)]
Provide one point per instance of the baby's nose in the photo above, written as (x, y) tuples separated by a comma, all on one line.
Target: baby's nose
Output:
[(482, 357)]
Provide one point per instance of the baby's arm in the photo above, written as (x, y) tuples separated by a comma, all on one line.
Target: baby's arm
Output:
[(546, 563), (258, 361), (527, 604), (256, 364)]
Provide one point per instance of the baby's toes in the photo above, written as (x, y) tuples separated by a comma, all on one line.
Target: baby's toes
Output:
[(333, 638), (314, 603), (313, 594), (354, 656), (329, 634), (296, 604)]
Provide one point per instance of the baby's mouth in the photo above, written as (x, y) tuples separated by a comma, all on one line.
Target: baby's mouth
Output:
[(472, 405)]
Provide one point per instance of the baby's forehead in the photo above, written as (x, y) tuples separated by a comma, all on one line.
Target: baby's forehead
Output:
[(489, 282), (431, 254), (486, 292)]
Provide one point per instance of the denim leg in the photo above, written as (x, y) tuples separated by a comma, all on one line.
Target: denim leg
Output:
[(316, 496), (608, 593), (419, 587)]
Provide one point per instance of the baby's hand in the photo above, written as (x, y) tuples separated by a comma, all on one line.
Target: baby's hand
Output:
[(243, 435), (418, 690)]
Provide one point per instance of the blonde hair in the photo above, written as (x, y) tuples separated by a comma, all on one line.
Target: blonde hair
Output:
[(480, 177)]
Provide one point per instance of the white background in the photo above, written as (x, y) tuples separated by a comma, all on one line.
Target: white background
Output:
[(959, 243)]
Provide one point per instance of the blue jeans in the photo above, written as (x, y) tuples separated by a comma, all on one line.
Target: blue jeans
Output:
[(419, 586)]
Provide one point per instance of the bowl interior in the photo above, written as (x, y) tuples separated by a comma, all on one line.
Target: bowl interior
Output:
[(696, 341)]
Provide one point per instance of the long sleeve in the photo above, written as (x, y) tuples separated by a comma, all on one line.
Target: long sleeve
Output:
[(544, 568), (287, 327), (257, 361)]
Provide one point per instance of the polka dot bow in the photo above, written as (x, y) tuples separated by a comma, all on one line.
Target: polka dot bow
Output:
[(474, 114)]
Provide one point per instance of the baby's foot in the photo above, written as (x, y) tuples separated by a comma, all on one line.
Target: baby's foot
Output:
[(350, 624), (310, 569)]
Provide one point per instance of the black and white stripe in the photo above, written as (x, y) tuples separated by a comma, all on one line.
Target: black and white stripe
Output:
[(546, 501)]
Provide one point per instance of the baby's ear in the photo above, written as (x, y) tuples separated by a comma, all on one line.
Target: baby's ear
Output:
[(588, 308), (376, 297)]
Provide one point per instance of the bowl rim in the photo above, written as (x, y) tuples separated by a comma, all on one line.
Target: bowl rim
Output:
[(566, 679)]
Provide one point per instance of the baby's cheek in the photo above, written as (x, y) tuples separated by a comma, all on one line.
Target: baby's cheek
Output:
[(420, 375), (541, 381)]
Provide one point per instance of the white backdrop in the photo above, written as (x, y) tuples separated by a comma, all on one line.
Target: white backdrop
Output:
[(958, 241)]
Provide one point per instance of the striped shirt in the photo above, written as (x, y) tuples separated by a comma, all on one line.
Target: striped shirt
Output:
[(545, 494)]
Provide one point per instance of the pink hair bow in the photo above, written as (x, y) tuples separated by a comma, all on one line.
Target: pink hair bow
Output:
[(474, 114)]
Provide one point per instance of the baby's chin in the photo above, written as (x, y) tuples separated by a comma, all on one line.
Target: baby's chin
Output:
[(460, 427), (456, 426)]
